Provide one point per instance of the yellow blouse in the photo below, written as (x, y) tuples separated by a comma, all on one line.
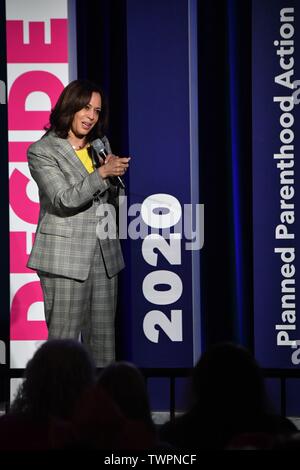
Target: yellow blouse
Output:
[(85, 159)]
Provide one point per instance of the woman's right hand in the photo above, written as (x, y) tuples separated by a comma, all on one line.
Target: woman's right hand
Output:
[(113, 166)]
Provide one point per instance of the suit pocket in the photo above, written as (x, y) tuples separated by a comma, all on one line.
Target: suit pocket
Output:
[(58, 229)]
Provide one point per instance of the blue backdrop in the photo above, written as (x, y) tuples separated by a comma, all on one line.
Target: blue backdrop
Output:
[(275, 62), (160, 50)]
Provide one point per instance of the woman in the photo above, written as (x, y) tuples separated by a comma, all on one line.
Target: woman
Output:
[(77, 266)]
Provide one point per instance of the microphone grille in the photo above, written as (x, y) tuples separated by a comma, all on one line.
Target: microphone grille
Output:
[(98, 145)]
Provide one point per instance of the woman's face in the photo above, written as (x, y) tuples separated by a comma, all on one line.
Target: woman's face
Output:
[(85, 119)]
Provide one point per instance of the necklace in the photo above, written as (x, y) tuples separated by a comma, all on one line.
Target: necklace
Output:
[(78, 147), (75, 147)]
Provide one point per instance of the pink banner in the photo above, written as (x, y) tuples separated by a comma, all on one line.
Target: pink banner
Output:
[(37, 71)]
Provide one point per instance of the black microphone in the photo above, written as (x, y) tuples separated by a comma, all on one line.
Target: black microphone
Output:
[(100, 150)]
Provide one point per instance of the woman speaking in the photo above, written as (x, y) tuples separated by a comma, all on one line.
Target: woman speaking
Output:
[(77, 266)]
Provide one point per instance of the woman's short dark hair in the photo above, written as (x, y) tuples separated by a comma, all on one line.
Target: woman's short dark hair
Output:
[(73, 98)]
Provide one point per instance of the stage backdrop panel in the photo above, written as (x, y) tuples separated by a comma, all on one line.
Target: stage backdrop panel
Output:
[(38, 68), (4, 234), (276, 56), (161, 300)]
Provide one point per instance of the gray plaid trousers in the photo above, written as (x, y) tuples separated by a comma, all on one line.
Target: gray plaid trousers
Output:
[(87, 307)]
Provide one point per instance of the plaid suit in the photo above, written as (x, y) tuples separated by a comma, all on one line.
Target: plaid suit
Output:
[(66, 245)]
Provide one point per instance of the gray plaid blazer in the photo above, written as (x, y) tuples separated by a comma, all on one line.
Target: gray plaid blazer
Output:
[(66, 237)]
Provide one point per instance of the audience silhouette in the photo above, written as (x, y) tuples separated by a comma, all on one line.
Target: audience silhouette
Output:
[(124, 382), (61, 404), (229, 401), (54, 380), (116, 414)]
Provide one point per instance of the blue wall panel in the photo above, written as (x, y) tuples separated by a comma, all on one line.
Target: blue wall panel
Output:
[(159, 144)]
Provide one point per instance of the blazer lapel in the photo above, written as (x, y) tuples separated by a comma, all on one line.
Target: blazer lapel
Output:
[(66, 150)]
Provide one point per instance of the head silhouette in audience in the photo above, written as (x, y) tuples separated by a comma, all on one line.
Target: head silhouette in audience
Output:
[(54, 380), (229, 380), (115, 414), (126, 385), (229, 400)]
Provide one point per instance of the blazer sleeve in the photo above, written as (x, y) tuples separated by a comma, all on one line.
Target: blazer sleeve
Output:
[(52, 182)]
